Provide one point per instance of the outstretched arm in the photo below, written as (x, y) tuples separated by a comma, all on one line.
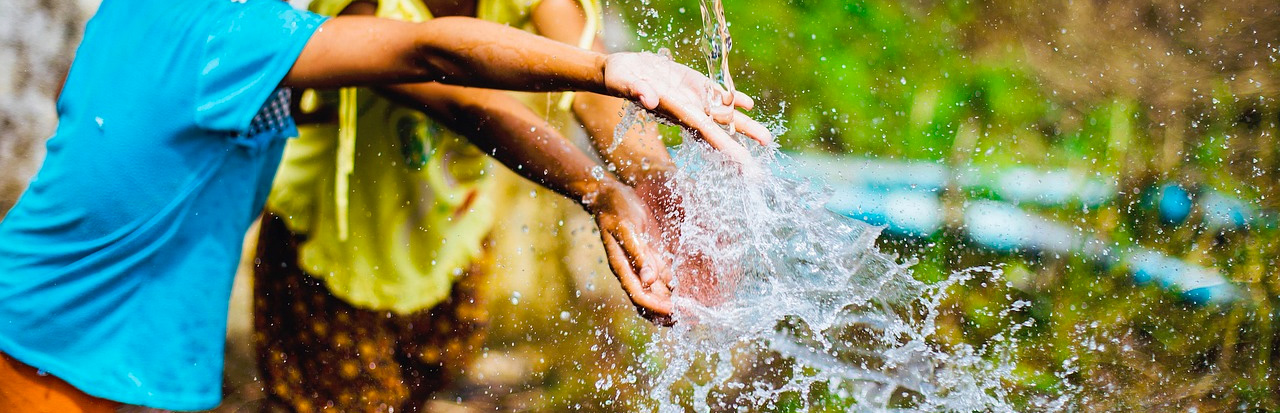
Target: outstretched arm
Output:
[(640, 155), (640, 159), (528, 145), (361, 51)]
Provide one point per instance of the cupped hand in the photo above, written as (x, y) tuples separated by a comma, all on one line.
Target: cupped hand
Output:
[(680, 94), (699, 278), (632, 241)]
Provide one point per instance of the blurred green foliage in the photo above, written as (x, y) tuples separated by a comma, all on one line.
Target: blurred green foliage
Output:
[(874, 78), (976, 84)]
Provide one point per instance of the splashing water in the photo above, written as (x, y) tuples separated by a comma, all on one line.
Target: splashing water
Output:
[(633, 117), (782, 304), (808, 305)]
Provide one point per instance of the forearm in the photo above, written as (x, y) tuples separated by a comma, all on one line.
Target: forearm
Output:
[(503, 127), (367, 51), (526, 62), (454, 50), (639, 156)]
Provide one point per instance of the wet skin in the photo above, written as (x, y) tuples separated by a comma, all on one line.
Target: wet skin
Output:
[(460, 51)]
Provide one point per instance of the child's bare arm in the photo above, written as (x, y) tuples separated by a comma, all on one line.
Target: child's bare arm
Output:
[(363, 51), (640, 156), (357, 50), (528, 145)]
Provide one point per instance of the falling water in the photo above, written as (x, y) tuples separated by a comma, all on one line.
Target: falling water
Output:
[(716, 44)]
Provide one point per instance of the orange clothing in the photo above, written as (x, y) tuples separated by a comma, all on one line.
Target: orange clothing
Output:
[(23, 389)]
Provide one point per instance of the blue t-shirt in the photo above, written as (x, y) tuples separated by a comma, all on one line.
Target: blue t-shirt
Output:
[(116, 264)]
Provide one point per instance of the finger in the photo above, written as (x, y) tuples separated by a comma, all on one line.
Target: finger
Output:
[(638, 253), (726, 98), (663, 317), (711, 133), (752, 129), (660, 291), (742, 101), (668, 281), (620, 265), (644, 253), (661, 267), (721, 114), (656, 303)]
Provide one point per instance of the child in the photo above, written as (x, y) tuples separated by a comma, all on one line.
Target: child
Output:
[(116, 264), (372, 295)]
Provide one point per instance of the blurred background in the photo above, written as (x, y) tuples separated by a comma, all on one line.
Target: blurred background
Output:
[(1116, 159)]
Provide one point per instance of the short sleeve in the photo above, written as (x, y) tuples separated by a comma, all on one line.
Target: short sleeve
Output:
[(246, 55)]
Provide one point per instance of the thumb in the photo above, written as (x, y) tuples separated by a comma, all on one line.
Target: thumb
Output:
[(646, 94)]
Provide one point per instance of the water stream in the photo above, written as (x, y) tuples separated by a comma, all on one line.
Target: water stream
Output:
[(716, 44), (784, 304)]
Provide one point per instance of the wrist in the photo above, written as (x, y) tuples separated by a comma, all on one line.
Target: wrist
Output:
[(607, 88), (616, 71), (594, 194), (600, 82)]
